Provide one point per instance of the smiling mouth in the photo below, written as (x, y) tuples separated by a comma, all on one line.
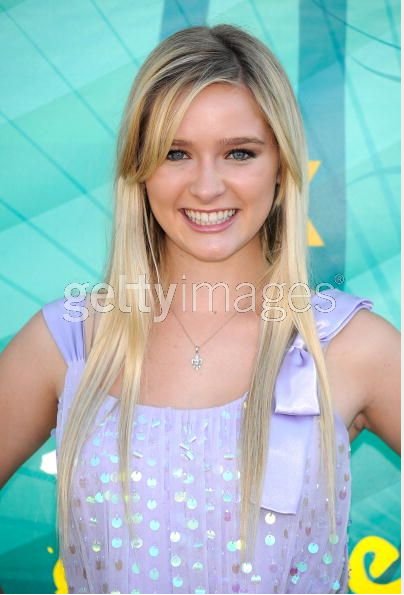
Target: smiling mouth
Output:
[(209, 217)]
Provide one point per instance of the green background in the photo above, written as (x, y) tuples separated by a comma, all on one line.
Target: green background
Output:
[(65, 70)]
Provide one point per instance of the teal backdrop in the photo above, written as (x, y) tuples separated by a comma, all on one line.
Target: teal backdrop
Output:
[(65, 70)]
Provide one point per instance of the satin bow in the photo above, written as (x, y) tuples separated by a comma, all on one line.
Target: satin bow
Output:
[(291, 428)]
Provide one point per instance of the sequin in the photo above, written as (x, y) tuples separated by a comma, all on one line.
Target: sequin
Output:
[(152, 482), (192, 503), (94, 461), (270, 518), (231, 546), (301, 566), (154, 525), (336, 585), (210, 534), (227, 497), (200, 590), (116, 542), (104, 477), (255, 578), (198, 566), (313, 548), (138, 454), (227, 515), (342, 493), (227, 475), (154, 551), (246, 567), (135, 568), (137, 517), (270, 539), (175, 536), (333, 538), (99, 497), (154, 574), (140, 436), (180, 496), (116, 522), (151, 504), (192, 524), (189, 478), (96, 547), (137, 542), (295, 579), (178, 472), (114, 458), (175, 561), (177, 581), (136, 475), (327, 558)]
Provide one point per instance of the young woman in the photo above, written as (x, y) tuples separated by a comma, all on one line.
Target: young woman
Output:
[(203, 447)]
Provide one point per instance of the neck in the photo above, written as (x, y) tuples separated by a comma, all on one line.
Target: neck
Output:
[(200, 287)]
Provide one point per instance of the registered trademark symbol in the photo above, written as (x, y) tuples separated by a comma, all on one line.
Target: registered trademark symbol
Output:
[(339, 278)]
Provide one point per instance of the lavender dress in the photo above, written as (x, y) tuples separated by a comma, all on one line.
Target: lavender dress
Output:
[(185, 483)]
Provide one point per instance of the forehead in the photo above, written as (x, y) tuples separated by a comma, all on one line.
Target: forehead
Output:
[(223, 109)]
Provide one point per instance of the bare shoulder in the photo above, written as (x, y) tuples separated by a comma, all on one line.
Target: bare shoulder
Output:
[(363, 361)]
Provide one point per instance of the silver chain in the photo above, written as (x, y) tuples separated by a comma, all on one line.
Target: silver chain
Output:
[(209, 338)]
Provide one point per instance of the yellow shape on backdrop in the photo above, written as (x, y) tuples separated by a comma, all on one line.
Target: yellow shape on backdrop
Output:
[(313, 237), (385, 553), (59, 578)]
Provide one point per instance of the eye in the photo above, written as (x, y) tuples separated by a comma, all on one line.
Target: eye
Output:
[(175, 155), (242, 154)]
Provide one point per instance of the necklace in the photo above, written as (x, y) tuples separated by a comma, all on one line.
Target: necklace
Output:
[(197, 361)]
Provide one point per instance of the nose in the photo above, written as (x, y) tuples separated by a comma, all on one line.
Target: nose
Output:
[(207, 182)]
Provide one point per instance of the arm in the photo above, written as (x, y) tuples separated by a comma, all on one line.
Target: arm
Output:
[(31, 372), (380, 366)]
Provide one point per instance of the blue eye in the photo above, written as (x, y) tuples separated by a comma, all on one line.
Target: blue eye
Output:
[(245, 154), (175, 152)]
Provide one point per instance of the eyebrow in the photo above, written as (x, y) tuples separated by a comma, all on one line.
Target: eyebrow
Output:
[(237, 140)]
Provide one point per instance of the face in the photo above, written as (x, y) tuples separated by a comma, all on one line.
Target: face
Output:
[(215, 189)]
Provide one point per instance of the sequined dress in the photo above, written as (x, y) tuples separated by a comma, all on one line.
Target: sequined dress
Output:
[(185, 482)]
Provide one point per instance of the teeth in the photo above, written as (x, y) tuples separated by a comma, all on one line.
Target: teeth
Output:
[(209, 218)]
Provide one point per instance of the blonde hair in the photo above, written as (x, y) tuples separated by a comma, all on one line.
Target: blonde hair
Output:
[(172, 75)]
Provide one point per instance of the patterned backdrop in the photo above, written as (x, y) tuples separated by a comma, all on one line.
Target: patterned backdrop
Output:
[(65, 69)]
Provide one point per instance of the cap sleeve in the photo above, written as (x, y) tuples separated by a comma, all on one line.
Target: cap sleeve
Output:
[(65, 323), (333, 309)]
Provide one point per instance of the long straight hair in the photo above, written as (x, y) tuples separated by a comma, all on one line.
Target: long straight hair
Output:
[(171, 77)]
